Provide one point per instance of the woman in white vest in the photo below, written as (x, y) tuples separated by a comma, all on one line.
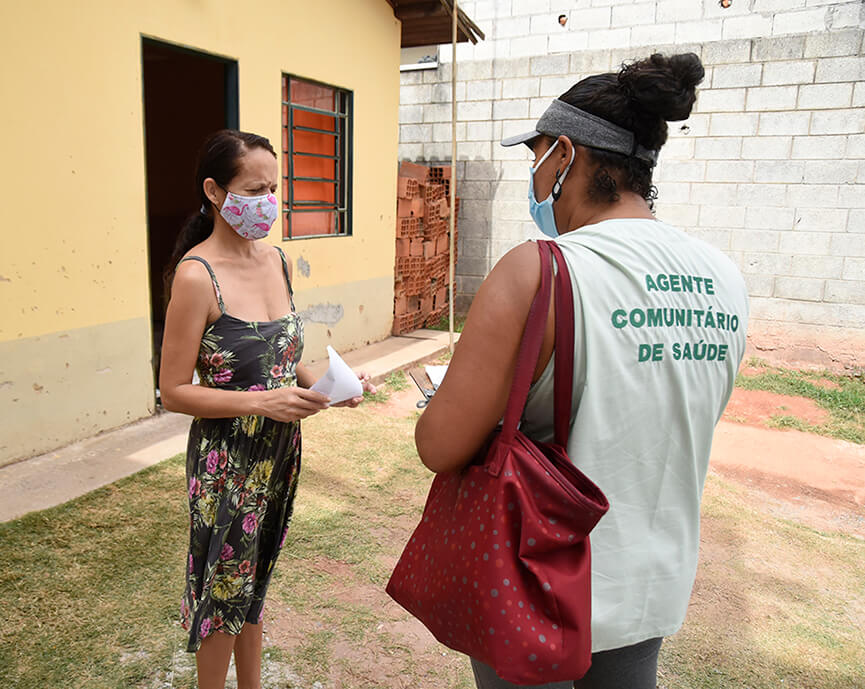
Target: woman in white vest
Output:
[(660, 333)]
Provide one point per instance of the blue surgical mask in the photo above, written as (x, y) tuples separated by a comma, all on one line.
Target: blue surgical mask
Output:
[(542, 211)]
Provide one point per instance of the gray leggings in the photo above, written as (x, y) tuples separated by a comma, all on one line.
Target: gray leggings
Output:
[(629, 667)]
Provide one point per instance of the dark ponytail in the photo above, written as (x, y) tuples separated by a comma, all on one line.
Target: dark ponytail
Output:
[(642, 97), (219, 158)]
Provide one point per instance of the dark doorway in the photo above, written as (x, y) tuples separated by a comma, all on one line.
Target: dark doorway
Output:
[(187, 95)]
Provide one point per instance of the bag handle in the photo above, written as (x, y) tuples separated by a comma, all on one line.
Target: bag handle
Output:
[(530, 348), (564, 362)]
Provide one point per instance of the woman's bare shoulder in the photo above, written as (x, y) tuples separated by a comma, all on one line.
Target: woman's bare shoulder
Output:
[(517, 273), (191, 279)]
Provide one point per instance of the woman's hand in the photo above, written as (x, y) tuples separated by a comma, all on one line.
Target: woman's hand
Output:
[(367, 387), (292, 404)]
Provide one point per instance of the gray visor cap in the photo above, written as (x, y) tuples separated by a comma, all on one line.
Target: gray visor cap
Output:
[(586, 129)]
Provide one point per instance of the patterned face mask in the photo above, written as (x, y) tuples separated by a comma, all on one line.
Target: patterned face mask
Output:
[(250, 216)]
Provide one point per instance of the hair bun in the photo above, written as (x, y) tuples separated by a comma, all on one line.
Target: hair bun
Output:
[(664, 86)]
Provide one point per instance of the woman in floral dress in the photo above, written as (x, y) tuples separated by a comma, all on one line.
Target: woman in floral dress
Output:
[(232, 317)]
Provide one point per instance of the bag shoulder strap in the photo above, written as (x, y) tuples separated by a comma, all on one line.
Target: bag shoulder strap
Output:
[(530, 348), (564, 352)]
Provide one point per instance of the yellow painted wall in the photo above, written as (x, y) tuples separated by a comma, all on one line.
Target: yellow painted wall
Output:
[(74, 253)]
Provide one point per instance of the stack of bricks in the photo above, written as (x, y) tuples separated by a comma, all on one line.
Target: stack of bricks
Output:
[(422, 271)]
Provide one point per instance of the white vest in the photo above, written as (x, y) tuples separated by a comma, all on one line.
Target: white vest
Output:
[(660, 332)]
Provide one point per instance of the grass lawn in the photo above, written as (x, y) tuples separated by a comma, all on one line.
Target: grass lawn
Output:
[(90, 590)]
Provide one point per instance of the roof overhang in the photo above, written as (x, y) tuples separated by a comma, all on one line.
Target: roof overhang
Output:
[(430, 22)]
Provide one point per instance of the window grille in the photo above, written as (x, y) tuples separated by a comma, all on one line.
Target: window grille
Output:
[(316, 159)]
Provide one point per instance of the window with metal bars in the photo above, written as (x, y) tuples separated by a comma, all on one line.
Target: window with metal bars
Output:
[(316, 159)]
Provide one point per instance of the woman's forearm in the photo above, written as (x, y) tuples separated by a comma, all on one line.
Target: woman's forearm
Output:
[(213, 403)]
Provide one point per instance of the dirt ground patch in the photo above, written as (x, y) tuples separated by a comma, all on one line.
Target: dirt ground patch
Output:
[(756, 407), (383, 655), (814, 480), (401, 403), (787, 498)]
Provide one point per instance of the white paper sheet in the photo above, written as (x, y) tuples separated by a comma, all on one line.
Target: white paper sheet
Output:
[(339, 382), (436, 374)]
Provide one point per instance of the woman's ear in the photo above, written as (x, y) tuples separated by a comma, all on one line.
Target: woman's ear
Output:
[(564, 152), (211, 191), (578, 173)]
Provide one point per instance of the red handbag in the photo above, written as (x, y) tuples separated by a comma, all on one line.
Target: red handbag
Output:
[(499, 567)]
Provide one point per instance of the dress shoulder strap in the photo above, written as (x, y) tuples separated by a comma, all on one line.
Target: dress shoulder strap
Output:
[(212, 278), (287, 279)]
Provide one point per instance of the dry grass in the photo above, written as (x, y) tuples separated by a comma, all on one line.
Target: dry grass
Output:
[(89, 590), (776, 604)]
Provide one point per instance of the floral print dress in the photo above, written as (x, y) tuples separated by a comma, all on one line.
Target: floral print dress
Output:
[(241, 473)]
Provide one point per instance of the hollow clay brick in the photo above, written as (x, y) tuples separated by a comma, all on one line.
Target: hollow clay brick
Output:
[(415, 171), (407, 188), (408, 227), (410, 208)]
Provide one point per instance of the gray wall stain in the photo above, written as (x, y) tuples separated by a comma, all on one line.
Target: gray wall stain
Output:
[(303, 266), (328, 314)]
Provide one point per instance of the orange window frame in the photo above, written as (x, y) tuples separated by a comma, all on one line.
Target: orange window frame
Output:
[(316, 159)]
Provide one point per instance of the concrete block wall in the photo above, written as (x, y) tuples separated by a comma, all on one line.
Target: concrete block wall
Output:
[(525, 28), (770, 167)]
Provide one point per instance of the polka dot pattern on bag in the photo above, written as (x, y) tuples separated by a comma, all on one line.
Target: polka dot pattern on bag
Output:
[(470, 562)]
